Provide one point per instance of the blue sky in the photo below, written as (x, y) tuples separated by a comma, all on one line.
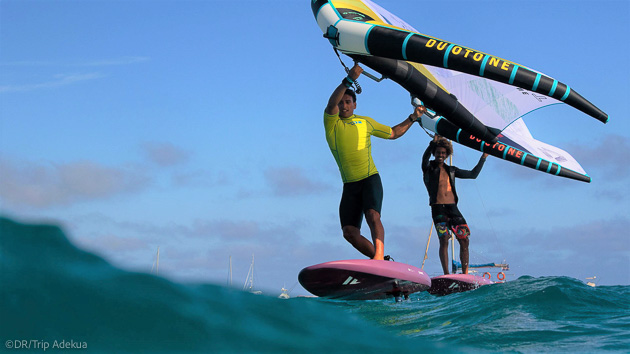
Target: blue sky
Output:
[(196, 126)]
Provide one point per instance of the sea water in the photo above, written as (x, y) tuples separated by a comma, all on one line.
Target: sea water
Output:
[(56, 297)]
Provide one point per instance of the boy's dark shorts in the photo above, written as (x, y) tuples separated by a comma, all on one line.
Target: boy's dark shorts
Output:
[(358, 197), (448, 216)]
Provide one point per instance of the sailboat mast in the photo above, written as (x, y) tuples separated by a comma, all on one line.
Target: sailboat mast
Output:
[(230, 273), (250, 277), (157, 263), (426, 251), (251, 280)]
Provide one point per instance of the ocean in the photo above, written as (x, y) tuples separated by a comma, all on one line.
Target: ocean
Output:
[(55, 297)]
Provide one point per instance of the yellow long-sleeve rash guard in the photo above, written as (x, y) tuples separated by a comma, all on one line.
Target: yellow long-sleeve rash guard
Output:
[(349, 142)]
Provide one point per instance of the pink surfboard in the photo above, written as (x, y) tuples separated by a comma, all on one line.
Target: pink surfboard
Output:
[(363, 279), (456, 283)]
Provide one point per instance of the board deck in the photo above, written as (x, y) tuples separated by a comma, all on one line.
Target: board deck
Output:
[(456, 283), (363, 279)]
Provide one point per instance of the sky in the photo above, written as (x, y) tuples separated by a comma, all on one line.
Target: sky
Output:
[(196, 127)]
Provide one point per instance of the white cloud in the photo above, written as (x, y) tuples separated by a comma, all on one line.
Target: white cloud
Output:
[(610, 154), (115, 61), (100, 62), (57, 81), (197, 177), (291, 181), (575, 249), (65, 79), (44, 185), (165, 154)]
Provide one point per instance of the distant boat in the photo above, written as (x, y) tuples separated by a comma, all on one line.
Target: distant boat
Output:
[(284, 294), (472, 269), (590, 283), (249, 281)]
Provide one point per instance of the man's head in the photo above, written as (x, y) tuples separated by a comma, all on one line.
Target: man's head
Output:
[(348, 104), (442, 149)]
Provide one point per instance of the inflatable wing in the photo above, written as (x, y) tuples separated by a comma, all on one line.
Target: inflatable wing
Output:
[(364, 28), (468, 88)]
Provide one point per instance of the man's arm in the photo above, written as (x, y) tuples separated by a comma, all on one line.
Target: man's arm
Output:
[(400, 129), (426, 156), (332, 107), (472, 174)]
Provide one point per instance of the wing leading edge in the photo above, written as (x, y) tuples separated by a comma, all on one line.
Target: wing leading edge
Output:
[(481, 107)]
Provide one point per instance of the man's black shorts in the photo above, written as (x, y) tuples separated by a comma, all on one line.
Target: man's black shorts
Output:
[(448, 213), (358, 197)]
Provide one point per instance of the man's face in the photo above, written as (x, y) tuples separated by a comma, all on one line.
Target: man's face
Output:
[(440, 154), (346, 106)]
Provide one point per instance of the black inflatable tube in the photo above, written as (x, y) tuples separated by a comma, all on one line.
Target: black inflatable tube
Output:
[(397, 44), (505, 152), (426, 90)]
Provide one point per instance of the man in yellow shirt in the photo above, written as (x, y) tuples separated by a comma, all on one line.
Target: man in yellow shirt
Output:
[(348, 136)]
